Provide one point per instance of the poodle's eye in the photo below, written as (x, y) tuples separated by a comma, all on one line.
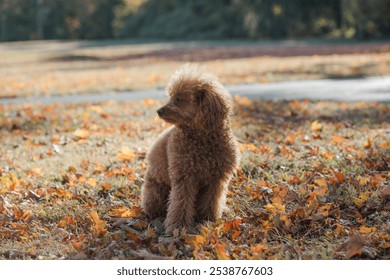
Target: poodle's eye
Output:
[(178, 99)]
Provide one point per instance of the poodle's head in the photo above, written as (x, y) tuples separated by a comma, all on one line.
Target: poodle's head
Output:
[(197, 99)]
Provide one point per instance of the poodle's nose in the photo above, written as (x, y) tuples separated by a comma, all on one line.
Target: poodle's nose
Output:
[(160, 111)]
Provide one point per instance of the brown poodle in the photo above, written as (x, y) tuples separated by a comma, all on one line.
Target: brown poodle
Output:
[(192, 162)]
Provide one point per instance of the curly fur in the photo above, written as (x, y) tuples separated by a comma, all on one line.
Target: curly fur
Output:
[(192, 162)]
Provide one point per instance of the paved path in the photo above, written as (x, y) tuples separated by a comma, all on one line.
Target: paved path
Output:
[(375, 89)]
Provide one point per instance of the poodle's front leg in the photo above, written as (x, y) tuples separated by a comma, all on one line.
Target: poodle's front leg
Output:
[(181, 209), (154, 197), (211, 201)]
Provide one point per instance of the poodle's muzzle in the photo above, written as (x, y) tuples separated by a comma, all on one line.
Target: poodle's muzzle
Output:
[(160, 111)]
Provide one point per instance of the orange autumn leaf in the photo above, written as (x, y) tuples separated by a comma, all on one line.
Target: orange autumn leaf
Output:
[(227, 226), (66, 222), (363, 197), (257, 249), (150, 102), (77, 245), (367, 230), (236, 234), (99, 110), (286, 220), (367, 144), (340, 177), (290, 139), (99, 225), (21, 215), (197, 241), (91, 182), (36, 171), (106, 186), (385, 145), (81, 133), (126, 154), (321, 182), (124, 212), (337, 139), (132, 236), (221, 252), (328, 155), (363, 180), (242, 101), (316, 126), (9, 182), (275, 208), (236, 223), (249, 147), (323, 210), (322, 187)]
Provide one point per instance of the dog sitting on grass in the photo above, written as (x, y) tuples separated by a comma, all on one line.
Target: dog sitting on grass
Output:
[(192, 162)]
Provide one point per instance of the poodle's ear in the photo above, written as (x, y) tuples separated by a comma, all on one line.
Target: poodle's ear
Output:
[(213, 109), (199, 95)]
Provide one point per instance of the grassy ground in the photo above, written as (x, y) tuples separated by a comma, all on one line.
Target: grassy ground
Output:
[(50, 67), (313, 183)]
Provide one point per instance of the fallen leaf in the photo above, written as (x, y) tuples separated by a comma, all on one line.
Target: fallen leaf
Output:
[(321, 182), (81, 133), (99, 110), (275, 208), (197, 241), (124, 212), (258, 248), (126, 154), (9, 182), (356, 245), (353, 246), (221, 252), (367, 144), (91, 182), (361, 200), (367, 230), (133, 236), (77, 245), (150, 233), (385, 193), (36, 171), (316, 126), (340, 177), (363, 180), (328, 155), (100, 226), (149, 102), (290, 139), (337, 139)]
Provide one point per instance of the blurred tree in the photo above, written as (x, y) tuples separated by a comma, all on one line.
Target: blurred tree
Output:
[(98, 24), (39, 19), (184, 19), (367, 19), (193, 19), (4, 8)]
